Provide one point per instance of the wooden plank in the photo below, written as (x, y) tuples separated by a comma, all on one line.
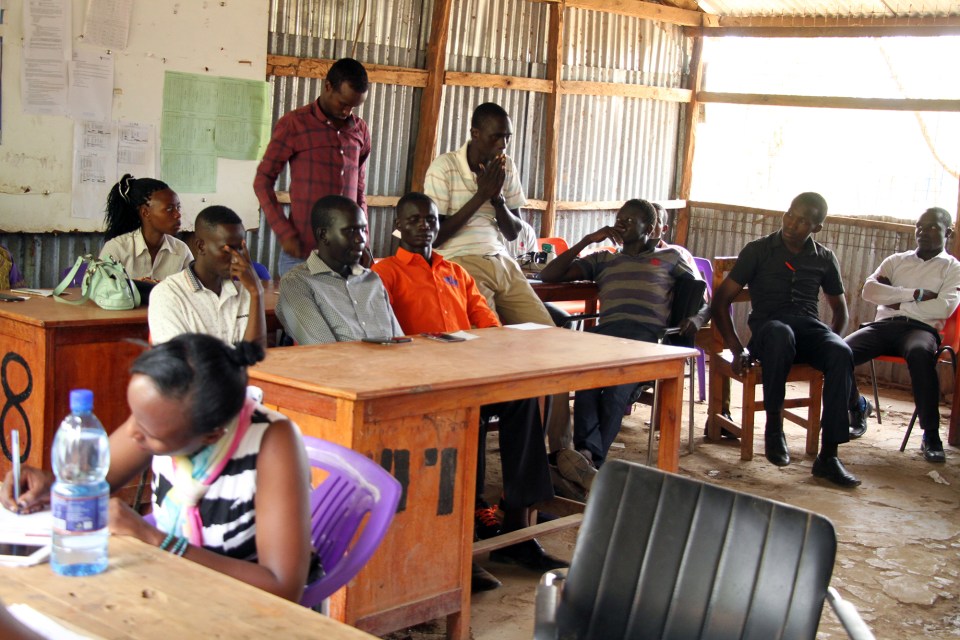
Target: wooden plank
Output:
[(283, 197), (513, 537), (640, 9), (552, 150), (832, 219), (427, 132), (602, 205), (829, 102), (836, 22), (492, 80), (878, 31), (690, 119), (318, 67), (645, 92)]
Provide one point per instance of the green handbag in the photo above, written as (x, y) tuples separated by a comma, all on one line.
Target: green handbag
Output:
[(105, 282)]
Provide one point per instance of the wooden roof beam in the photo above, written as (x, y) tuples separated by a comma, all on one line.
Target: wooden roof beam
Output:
[(830, 102), (829, 27), (639, 9)]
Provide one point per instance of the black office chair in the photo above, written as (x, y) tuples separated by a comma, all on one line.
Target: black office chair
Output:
[(663, 556)]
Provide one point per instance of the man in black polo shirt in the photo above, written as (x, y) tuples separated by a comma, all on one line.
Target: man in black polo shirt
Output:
[(785, 272)]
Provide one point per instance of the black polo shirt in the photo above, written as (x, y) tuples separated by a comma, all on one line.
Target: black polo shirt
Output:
[(782, 283)]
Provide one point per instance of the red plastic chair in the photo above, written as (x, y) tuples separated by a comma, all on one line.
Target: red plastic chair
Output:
[(947, 353), (559, 244), (356, 486)]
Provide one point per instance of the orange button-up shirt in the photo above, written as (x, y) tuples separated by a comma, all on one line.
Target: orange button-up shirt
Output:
[(438, 297)]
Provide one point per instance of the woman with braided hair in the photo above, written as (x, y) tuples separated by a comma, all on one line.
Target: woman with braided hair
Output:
[(231, 481), (142, 219)]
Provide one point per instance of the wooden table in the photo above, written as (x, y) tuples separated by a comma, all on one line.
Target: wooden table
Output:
[(563, 291), (148, 593), (48, 348), (414, 407)]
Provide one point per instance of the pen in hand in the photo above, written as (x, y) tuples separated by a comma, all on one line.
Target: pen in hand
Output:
[(15, 454)]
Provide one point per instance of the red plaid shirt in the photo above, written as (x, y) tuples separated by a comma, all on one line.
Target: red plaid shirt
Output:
[(323, 161)]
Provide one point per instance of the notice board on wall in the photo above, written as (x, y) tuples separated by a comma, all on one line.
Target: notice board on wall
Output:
[(219, 40)]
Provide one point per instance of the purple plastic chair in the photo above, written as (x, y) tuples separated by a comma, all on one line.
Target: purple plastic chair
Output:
[(705, 267), (355, 487)]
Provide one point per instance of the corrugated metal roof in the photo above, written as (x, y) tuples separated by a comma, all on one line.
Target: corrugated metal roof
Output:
[(860, 8)]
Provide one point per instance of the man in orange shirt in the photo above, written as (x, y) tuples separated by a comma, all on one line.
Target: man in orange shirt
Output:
[(430, 294)]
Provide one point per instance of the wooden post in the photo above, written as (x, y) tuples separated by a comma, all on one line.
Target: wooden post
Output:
[(432, 93), (552, 151), (682, 226)]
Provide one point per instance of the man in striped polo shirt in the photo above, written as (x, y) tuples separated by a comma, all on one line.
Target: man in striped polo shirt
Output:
[(636, 294)]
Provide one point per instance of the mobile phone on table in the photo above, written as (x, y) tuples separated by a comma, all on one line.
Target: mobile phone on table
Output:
[(23, 553), (443, 337), (387, 340), (6, 297)]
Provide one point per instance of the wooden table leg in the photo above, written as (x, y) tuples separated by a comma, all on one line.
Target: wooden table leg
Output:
[(671, 406), (458, 624)]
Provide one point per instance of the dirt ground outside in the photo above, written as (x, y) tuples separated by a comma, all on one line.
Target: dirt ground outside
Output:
[(898, 556)]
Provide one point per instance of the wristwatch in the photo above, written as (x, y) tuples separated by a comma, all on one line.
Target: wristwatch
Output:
[(499, 199)]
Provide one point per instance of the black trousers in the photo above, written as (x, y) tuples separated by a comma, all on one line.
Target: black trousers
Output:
[(780, 342), (523, 454), (916, 343)]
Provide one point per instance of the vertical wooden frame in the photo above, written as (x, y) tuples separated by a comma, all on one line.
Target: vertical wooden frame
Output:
[(432, 93), (689, 140), (552, 151)]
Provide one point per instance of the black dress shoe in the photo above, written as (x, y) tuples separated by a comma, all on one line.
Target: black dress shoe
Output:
[(775, 448), (933, 452), (833, 470), (858, 419), (528, 554), (482, 580)]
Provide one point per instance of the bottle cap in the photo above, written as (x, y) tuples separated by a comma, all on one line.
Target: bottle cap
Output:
[(81, 401), (547, 247)]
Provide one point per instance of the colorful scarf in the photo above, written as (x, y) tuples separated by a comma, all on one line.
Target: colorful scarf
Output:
[(193, 475)]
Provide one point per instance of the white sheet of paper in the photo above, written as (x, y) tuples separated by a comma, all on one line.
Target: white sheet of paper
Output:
[(91, 84), (46, 50), (107, 23), (528, 326), (464, 335), (94, 166), (20, 528)]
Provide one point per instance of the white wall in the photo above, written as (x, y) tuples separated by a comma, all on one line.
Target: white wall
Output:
[(215, 37)]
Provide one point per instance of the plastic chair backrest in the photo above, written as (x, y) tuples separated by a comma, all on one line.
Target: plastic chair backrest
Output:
[(705, 267), (662, 556), (559, 244), (356, 486), (950, 335), (78, 278)]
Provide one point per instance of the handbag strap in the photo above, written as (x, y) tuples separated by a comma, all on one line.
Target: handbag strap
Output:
[(68, 280)]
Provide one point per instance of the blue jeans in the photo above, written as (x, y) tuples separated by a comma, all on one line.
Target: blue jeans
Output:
[(286, 262)]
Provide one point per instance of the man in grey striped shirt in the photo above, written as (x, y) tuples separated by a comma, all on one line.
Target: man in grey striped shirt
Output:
[(635, 287), (331, 297)]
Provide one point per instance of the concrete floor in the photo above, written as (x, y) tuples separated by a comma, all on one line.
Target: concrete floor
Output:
[(898, 558)]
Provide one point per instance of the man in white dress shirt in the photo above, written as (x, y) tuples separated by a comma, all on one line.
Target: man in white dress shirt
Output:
[(916, 291)]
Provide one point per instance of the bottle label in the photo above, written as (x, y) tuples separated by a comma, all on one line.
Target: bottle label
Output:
[(81, 514)]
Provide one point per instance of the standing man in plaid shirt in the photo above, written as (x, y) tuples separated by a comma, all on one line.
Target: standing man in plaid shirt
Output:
[(327, 148)]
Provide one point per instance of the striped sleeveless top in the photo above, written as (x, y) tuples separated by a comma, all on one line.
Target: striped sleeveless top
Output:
[(227, 509)]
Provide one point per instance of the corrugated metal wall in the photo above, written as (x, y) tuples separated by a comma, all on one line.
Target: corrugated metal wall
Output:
[(614, 148), (859, 247)]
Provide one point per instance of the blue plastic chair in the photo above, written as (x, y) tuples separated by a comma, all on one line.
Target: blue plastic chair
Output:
[(356, 486)]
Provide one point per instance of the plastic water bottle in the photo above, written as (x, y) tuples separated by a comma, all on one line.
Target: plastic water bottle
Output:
[(79, 498)]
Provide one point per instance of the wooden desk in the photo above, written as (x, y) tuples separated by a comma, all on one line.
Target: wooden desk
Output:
[(414, 407), (563, 291), (48, 348), (147, 593)]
